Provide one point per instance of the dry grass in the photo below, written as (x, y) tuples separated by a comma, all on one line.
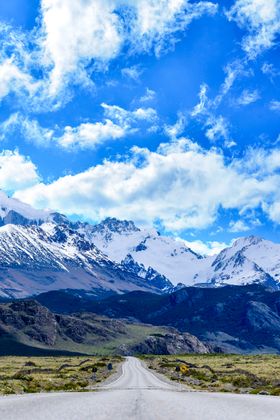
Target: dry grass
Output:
[(47, 374), (222, 373)]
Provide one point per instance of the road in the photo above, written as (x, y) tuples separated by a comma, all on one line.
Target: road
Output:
[(139, 395)]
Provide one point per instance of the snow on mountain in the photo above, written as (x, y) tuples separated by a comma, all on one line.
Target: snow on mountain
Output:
[(248, 260), (42, 250), (37, 259), (167, 256), (150, 275), (15, 212)]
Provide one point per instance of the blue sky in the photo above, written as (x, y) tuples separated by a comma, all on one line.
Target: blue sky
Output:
[(163, 112)]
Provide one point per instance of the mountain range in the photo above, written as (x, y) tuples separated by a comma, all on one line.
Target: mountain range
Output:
[(28, 328), (230, 319), (42, 251)]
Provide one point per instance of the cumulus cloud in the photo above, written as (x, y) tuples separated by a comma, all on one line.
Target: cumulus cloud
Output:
[(90, 135), (156, 22), (118, 123), (261, 18), (74, 39), (16, 171), (75, 33), (180, 184)]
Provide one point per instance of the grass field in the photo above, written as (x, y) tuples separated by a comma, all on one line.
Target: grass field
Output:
[(222, 373), (47, 374)]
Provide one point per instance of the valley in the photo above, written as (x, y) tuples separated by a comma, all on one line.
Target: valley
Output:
[(28, 328)]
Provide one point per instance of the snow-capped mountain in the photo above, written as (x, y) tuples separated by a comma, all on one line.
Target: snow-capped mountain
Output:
[(167, 256), (150, 275), (42, 251), (13, 211), (249, 260), (36, 259)]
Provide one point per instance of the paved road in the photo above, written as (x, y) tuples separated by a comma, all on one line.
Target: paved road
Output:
[(139, 395)]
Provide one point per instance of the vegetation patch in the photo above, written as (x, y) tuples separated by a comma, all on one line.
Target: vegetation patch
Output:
[(221, 372), (20, 375)]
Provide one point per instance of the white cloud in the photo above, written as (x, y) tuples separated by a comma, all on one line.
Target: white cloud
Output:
[(217, 128), (248, 97), (90, 135), (74, 33), (259, 162), (118, 123), (16, 171), (238, 226), (181, 185), (149, 96), (15, 64), (202, 106), (126, 118), (270, 70), (206, 248), (173, 131), (275, 106), (206, 110), (74, 39), (261, 18), (12, 79), (157, 21), (30, 130), (232, 71), (273, 211), (133, 72)]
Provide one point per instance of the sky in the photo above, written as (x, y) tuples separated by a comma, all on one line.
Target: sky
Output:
[(165, 112)]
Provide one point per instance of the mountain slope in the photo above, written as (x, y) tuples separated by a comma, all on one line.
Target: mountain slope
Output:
[(171, 258), (233, 319), (249, 260), (30, 327), (35, 259), (41, 251)]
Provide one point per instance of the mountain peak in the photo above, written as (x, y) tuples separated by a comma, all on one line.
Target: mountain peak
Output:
[(247, 241), (114, 225)]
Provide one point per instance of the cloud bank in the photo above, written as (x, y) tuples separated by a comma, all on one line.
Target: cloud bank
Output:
[(180, 185)]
